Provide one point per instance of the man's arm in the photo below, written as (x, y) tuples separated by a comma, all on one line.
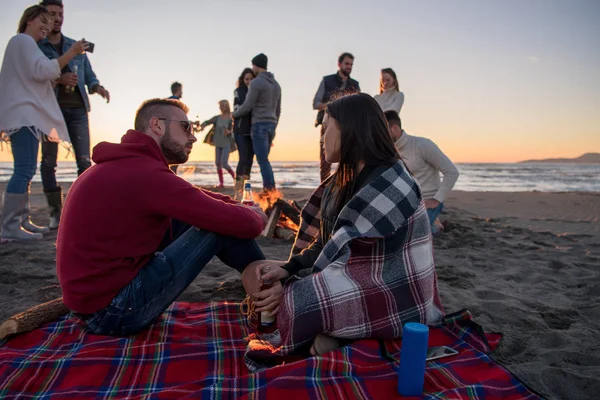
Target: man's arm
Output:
[(319, 96), (278, 109), (437, 159), (90, 77), (91, 80), (251, 97), (357, 87)]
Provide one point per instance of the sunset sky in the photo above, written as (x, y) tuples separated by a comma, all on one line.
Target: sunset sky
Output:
[(488, 81)]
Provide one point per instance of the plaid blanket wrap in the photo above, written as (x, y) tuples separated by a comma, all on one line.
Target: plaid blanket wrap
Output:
[(195, 351), (373, 275)]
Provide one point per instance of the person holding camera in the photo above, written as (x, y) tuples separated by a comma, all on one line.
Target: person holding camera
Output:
[(28, 112), (74, 104)]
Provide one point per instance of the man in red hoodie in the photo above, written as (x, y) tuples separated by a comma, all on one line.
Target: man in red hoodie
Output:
[(134, 235)]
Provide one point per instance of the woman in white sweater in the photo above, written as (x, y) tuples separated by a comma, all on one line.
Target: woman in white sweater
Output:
[(390, 98), (28, 112)]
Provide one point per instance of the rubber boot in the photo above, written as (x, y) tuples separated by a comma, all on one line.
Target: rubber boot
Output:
[(12, 210), (26, 219)]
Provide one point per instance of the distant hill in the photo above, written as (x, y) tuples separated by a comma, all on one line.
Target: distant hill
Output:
[(587, 158)]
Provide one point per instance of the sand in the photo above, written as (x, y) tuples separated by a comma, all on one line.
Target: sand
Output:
[(525, 264)]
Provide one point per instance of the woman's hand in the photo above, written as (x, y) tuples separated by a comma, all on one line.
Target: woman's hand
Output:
[(79, 47), (269, 299), (227, 132)]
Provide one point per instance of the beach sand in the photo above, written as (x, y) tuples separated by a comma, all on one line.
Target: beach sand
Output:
[(525, 264)]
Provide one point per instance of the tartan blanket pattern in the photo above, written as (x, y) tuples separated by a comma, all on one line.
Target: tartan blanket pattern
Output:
[(374, 274), (196, 351)]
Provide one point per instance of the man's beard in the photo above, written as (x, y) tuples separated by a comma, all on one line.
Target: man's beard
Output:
[(173, 152), (344, 72)]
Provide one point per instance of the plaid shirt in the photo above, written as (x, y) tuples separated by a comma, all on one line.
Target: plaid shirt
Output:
[(374, 274)]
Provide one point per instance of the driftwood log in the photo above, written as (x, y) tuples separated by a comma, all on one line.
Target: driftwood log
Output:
[(33, 318), (289, 211), (284, 233), (274, 215)]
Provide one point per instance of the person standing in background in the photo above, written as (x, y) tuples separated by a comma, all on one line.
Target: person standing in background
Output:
[(425, 161), (176, 91), (29, 113), (390, 98), (176, 94), (264, 100), (241, 131), (74, 104), (330, 87), (222, 139)]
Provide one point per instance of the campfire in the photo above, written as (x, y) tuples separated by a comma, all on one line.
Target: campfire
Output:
[(284, 216)]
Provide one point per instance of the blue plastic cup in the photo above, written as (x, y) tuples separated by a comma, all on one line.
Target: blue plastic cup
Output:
[(411, 374)]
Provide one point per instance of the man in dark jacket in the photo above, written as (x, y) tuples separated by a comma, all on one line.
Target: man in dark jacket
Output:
[(264, 101), (74, 104), (330, 87), (134, 235)]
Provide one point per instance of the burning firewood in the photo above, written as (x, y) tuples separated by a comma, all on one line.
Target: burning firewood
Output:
[(289, 211), (33, 318), (272, 222)]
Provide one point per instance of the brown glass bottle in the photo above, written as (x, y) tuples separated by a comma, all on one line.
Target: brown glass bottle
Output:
[(266, 321)]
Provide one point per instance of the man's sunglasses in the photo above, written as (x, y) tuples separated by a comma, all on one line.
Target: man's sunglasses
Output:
[(187, 126)]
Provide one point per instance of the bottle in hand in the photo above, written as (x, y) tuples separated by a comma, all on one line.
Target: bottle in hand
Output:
[(70, 88), (266, 321), (247, 198)]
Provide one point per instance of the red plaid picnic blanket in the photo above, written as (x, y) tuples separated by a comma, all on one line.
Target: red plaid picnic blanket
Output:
[(196, 351)]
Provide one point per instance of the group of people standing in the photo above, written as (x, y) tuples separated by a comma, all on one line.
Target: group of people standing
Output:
[(423, 157), (43, 99), (250, 128)]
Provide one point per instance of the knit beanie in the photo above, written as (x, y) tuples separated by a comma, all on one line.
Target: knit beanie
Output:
[(260, 61)]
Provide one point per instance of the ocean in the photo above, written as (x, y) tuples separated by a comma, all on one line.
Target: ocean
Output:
[(524, 177)]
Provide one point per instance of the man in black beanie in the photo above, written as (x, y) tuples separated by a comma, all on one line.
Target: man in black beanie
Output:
[(264, 100)]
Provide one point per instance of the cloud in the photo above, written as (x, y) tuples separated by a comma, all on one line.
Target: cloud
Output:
[(532, 59)]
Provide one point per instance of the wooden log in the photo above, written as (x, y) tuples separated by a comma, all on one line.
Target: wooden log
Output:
[(274, 215), (33, 318), (289, 211), (284, 233)]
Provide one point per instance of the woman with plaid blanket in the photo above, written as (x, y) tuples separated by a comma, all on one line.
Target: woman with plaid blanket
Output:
[(362, 263)]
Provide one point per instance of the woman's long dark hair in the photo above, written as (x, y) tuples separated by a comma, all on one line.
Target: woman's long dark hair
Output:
[(364, 137), (240, 82)]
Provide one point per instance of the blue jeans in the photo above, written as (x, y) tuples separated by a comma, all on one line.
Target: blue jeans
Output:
[(25, 148), (246, 155), (262, 137), (172, 269), (79, 132), (433, 213)]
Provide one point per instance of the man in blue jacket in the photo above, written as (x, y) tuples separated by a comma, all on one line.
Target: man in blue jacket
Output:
[(74, 103)]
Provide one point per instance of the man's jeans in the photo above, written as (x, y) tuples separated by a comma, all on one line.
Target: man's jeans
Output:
[(24, 146), (79, 132), (433, 213), (262, 137), (167, 275)]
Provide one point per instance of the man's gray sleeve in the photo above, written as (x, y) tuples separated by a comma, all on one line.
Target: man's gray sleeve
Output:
[(320, 95)]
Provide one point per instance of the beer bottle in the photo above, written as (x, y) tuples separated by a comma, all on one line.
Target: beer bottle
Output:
[(266, 321)]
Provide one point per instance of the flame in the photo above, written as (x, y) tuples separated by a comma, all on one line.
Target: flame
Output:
[(285, 222), (267, 199)]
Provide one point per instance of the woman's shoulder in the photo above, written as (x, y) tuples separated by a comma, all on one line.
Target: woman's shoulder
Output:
[(20, 39)]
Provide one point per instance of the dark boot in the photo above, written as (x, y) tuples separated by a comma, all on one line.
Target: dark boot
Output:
[(55, 202), (26, 219), (12, 210)]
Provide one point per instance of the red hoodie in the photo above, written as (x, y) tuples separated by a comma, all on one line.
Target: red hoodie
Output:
[(117, 213)]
